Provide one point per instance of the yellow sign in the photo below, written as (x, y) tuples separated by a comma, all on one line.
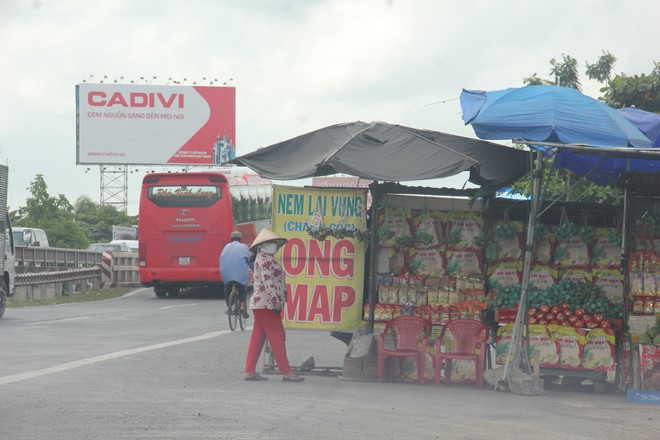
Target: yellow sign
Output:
[(325, 278)]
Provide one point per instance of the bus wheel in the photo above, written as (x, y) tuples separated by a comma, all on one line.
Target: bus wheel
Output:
[(160, 291), (172, 292)]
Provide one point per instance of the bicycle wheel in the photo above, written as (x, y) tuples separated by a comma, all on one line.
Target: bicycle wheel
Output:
[(241, 320), (233, 308)]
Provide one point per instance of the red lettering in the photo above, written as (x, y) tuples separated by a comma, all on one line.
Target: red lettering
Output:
[(319, 258), (294, 257), (135, 99), (296, 305), (343, 267), (167, 103), (301, 308), (343, 298), (319, 304), (96, 98), (117, 99), (139, 100)]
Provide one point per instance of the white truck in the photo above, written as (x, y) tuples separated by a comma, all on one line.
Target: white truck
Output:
[(7, 266)]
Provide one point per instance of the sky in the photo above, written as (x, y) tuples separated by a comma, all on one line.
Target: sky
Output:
[(297, 65)]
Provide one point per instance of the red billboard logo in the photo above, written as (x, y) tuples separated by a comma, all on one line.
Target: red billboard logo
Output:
[(151, 100)]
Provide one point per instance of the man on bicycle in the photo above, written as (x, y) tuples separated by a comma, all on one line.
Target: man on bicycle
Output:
[(235, 269)]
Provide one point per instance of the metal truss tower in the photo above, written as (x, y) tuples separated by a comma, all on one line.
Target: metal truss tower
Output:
[(114, 186)]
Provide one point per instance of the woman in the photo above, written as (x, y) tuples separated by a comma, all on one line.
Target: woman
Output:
[(266, 303)]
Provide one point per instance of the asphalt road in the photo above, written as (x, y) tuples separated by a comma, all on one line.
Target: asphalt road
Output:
[(139, 367)]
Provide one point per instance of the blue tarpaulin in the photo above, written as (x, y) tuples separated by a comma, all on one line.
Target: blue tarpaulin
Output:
[(565, 116), (606, 170), (548, 114)]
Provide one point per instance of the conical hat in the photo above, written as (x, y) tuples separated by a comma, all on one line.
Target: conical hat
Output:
[(264, 236)]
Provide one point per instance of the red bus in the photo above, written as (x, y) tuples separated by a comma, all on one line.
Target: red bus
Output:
[(185, 220)]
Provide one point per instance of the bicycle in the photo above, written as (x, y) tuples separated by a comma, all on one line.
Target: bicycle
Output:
[(234, 309)]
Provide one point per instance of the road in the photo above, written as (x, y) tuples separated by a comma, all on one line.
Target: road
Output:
[(139, 367)]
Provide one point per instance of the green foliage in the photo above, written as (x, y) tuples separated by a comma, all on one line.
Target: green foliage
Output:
[(557, 181), (66, 226), (601, 70), (641, 91), (97, 220), (566, 72)]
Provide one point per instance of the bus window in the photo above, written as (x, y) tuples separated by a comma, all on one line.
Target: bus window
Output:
[(184, 196)]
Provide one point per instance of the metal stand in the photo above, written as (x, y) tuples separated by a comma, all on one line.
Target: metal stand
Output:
[(270, 367)]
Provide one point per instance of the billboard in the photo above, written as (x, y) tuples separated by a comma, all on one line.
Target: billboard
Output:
[(131, 124), (324, 278)]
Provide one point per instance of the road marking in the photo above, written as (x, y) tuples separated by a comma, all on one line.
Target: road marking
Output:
[(172, 307), (106, 357), (58, 320)]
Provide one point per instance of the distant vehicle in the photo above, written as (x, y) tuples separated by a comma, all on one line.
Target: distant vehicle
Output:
[(185, 220), (108, 247), (132, 244), (30, 237)]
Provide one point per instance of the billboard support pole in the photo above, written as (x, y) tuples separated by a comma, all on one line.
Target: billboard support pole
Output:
[(114, 186)]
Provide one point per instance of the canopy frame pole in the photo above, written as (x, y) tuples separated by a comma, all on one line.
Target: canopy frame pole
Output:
[(518, 347), (373, 254)]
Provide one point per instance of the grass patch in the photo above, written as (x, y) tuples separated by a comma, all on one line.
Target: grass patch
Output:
[(95, 295)]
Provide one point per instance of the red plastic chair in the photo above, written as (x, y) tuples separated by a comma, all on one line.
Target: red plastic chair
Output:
[(468, 335), (410, 333)]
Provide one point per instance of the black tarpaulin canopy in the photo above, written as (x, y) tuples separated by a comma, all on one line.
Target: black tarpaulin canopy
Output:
[(385, 152)]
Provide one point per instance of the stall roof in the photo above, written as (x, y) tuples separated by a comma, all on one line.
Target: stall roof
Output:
[(386, 152)]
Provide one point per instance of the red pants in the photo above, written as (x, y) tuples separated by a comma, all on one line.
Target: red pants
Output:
[(267, 324)]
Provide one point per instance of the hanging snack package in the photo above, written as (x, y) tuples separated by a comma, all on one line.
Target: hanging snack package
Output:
[(465, 229), (427, 229), (543, 276), (611, 282), (397, 261), (505, 274), (509, 238), (544, 246), (571, 345), (427, 262), (393, 228), (606, 250), (576, 275), (464, 263), (572, 251), (599, 351)]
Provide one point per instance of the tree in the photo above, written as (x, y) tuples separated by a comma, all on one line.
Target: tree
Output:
[(557, 187), (52, 214), (97, 220), (566, 73), (641, 91)]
